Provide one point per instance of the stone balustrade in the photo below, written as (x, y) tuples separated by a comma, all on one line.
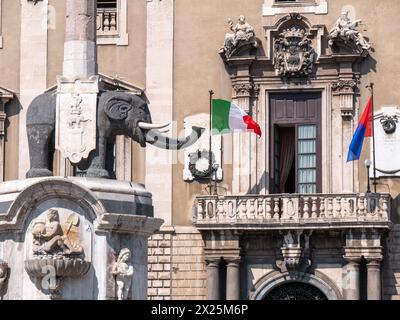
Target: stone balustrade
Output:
[(107, 22), (293, 211)]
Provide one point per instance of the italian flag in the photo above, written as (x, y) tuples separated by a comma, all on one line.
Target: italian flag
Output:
[(228, 117)]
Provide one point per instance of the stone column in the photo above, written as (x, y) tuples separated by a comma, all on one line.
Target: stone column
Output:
[(351, 279), (2, 134), (78, 86), (233, 279), (213, 279), (374, 280), (80, 53)]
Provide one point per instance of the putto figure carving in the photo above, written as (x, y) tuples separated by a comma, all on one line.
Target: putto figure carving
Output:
[(123, 272), (346, 31), (49, 238), (4, 272), (294, 56), (242, 39)]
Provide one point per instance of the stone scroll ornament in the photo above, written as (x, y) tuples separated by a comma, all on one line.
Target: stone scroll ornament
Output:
[(54, 251), (123, 272), (293, 54), (241, 41), (345, 35)]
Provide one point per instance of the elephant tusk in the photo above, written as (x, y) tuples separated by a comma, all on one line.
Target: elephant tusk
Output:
[(151, 126)]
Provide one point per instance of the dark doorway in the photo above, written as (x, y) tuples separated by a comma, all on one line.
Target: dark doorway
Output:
[(295, 145)]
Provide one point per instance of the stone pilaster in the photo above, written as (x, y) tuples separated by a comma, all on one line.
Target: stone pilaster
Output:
[(233, 278), (244, 144), (343, 91), (213, 281), (33, 68)]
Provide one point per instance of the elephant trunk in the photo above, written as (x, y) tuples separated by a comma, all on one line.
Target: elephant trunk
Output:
[(156, 138)]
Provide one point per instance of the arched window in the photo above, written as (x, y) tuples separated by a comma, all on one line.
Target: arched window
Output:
[(295, 291)]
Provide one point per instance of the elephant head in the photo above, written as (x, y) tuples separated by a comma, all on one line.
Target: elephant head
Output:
[(129, 115)]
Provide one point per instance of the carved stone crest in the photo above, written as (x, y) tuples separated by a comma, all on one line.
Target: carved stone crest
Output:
[(76, 117), (123, 272), (293, 54), (241, 41)]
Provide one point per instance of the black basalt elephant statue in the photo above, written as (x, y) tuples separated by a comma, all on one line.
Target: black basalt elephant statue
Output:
[(118, 113)]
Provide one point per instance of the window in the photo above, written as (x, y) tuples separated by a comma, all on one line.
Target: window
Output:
[(112, 22), (295, 147)]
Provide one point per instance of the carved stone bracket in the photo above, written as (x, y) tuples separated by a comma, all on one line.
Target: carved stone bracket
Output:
[(295, 252)]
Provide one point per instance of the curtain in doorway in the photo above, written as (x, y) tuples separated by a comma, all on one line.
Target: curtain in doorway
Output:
[(287, 156)]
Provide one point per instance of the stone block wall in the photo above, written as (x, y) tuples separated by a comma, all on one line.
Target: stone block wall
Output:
[(391, 265), (176, 265)]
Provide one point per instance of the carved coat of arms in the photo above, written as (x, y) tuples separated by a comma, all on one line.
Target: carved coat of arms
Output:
[(294, 56), (76, 118)]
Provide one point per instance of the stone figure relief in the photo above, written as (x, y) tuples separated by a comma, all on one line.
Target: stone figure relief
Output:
[(49, 238), (123, 272), (293, 54), (243, 38), (4, 275), (346, 31), (56, 252)]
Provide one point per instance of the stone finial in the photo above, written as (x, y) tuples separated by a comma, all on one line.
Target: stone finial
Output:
[(123, 272), (241, 41)]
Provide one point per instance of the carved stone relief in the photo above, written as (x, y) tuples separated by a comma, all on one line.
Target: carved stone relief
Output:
[(123, 272), (4, 276), (295, 251), (345, 36), (293, 54), (242, 41), (56, 248), (76, 117)]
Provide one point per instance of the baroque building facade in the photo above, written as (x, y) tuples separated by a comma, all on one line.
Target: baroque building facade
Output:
[(286, 215)]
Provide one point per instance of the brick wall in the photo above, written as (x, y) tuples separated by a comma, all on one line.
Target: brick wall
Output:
[(176, 265)]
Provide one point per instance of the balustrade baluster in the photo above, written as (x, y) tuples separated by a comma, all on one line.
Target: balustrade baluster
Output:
[(260, 210), (330, 207), (306, 208), (276, 209), (268, 208), (322, 207), (252, 210), (314, 208)]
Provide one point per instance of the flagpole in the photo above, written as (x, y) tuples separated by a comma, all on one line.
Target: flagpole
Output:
[(371, 87), (211, 92)]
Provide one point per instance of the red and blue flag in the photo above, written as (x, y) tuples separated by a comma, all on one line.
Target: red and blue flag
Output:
[(363, 130)]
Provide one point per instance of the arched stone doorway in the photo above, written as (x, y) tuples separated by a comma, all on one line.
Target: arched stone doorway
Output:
[(296, 286), (295, 291)]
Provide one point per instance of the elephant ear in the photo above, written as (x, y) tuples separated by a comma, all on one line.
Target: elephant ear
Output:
[(118, 108)]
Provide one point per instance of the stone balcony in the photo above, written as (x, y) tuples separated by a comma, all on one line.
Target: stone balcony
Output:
[(287, 211)]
